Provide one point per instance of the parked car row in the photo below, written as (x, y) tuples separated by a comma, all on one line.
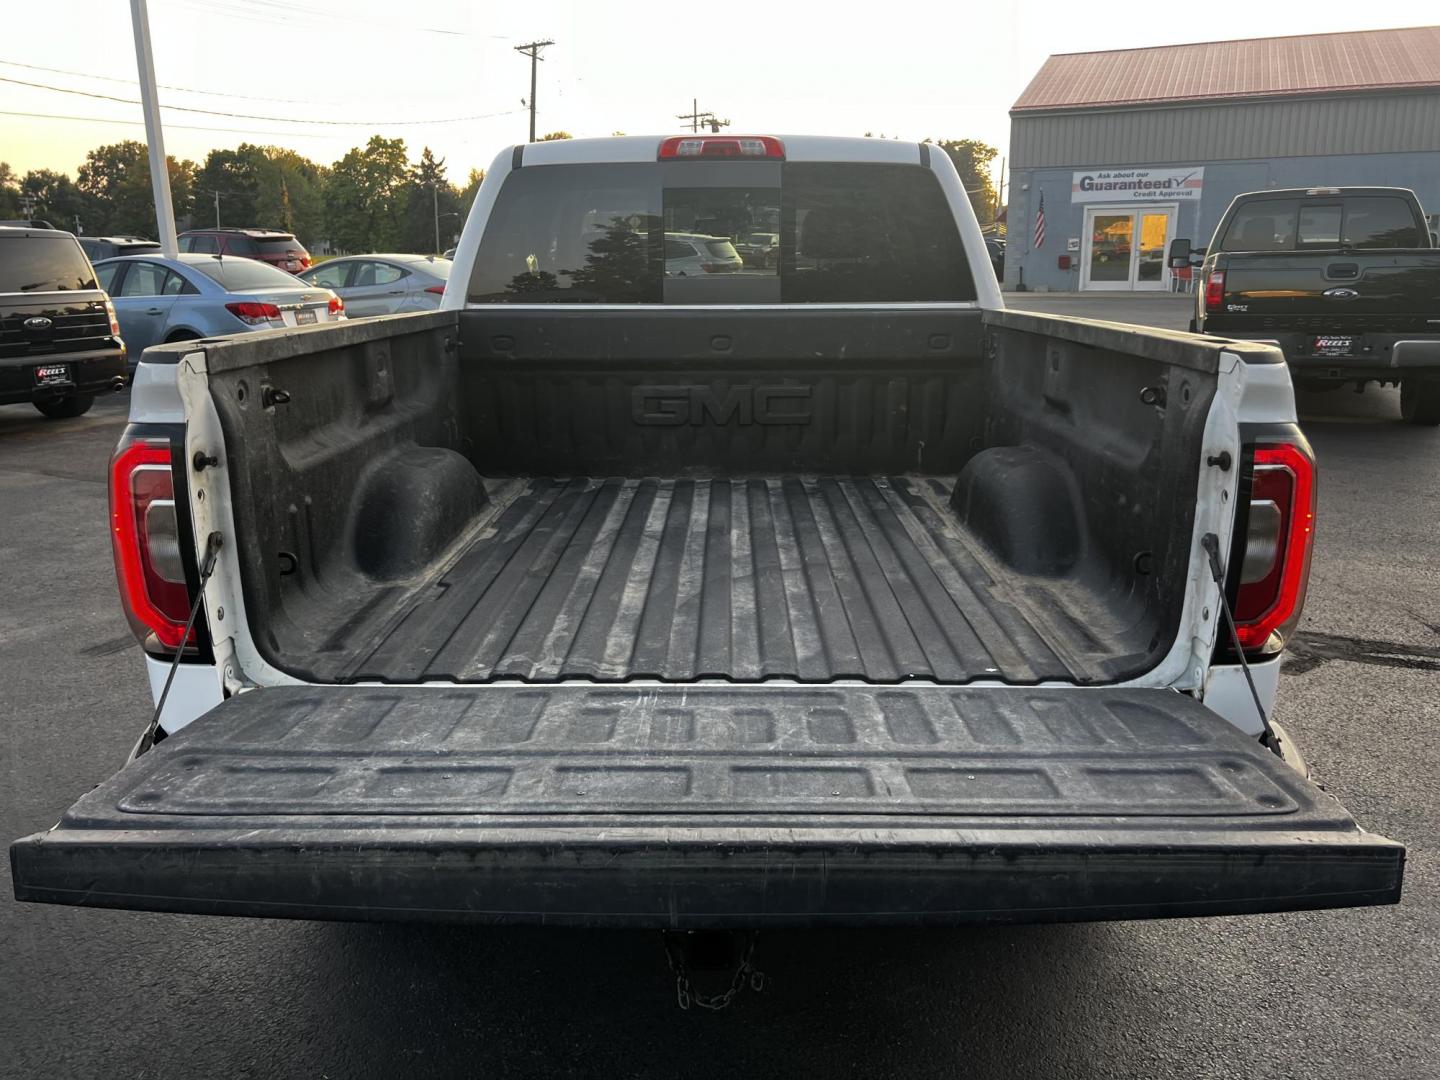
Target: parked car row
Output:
[(76, 313)]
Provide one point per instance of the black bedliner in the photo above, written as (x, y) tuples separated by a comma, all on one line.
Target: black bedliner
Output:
[(809, 578), (708, 805), (615, 495)]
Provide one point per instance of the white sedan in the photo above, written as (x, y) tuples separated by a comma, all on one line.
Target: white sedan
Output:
[(382, 284)]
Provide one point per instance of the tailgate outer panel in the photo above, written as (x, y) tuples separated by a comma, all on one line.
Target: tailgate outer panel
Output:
[(708, 805)]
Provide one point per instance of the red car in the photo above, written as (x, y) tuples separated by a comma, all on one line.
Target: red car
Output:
[(279, 249)]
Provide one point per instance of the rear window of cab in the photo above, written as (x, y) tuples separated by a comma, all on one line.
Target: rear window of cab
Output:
[(38, 263), (629, 233), (1357, 221)]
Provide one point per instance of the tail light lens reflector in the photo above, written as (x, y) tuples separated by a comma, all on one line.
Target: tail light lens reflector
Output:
[(145, 535), (1215, 290), (253, 313), (1279, 538)]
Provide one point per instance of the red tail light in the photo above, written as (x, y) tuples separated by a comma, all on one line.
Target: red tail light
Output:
[(1278, 543), (145, 533), (438, 290), (736, 146), (114, 318), (337, 306), (1215, 290), (252, 313)]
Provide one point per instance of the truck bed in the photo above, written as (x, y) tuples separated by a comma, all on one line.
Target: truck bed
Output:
[(613, 496), (804, 577)]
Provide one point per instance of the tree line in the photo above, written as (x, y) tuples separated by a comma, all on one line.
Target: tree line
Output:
[(372, 199)]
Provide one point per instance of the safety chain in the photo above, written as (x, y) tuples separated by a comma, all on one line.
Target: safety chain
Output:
[(685, 993)]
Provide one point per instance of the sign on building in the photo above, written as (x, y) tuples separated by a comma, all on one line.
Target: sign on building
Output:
[(1136, 185)]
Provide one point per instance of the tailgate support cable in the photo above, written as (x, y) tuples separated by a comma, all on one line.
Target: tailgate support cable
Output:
[(1268, 739), (213, 543)]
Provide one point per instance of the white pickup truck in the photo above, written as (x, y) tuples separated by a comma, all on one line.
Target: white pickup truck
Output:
[(711, 593)]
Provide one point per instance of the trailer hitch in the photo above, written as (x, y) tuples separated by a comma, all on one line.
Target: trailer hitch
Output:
[(712, 950)]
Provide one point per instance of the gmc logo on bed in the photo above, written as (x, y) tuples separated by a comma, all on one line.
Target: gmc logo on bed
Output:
[(671, 406)]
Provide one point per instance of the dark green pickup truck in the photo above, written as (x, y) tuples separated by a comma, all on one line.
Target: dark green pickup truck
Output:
[(1346, 281)]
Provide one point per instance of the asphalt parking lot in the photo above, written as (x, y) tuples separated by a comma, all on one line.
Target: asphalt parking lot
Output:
[(1343, 993)]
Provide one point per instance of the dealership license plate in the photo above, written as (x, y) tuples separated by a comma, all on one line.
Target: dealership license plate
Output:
[(52, 374), (304, 316), (1334, 346)]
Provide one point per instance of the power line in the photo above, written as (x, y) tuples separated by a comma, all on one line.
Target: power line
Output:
[(532, 50), (283, 13), (252, 116), (336, 136), (163, 86)]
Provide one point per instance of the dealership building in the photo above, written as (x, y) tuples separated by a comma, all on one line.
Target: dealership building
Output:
[(1132, 148)]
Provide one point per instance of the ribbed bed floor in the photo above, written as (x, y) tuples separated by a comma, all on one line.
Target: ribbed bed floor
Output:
[(808, 578)]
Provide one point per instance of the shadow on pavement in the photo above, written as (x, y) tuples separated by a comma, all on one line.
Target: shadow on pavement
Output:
[(603, 1002)]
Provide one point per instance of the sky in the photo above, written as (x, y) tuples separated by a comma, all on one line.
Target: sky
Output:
[(320, 76)]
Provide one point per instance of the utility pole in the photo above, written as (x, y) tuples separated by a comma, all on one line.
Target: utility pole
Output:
[(696, 118), (150, 102), (435, 193), (1000, 190), (532, 50), (217, 209), (693, 115)]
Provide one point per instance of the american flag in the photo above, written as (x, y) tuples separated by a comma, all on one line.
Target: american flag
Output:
[(1040, 223)]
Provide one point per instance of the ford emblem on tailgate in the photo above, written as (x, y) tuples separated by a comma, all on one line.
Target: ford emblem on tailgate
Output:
[(39, 322), (1340, 294)]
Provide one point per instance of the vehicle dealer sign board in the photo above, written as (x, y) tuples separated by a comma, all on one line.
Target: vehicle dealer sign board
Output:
[(1136, 185)]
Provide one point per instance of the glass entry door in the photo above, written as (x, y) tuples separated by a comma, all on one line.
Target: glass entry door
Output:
[(1112, 237), (1125, 248)]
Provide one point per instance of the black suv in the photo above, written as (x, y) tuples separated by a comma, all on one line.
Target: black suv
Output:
[(59, 340), (108, 247)]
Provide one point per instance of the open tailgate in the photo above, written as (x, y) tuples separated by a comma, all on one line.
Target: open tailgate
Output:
[(708, 805)]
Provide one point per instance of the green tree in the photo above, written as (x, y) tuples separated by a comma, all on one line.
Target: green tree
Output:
[(556, 135), (234, 175), (9, 192), (264, 187), (429, 195), (469, 191), (364, 196), (56, 199), (972, 160), (115, 184), (290, 193)]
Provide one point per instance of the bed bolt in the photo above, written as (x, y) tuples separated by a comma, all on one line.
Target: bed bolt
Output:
[(203, 461), (1221, 461), (270, 396), (1153, 395)]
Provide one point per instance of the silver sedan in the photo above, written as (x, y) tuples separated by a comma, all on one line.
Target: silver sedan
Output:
[(194, 296), (383, 284)]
